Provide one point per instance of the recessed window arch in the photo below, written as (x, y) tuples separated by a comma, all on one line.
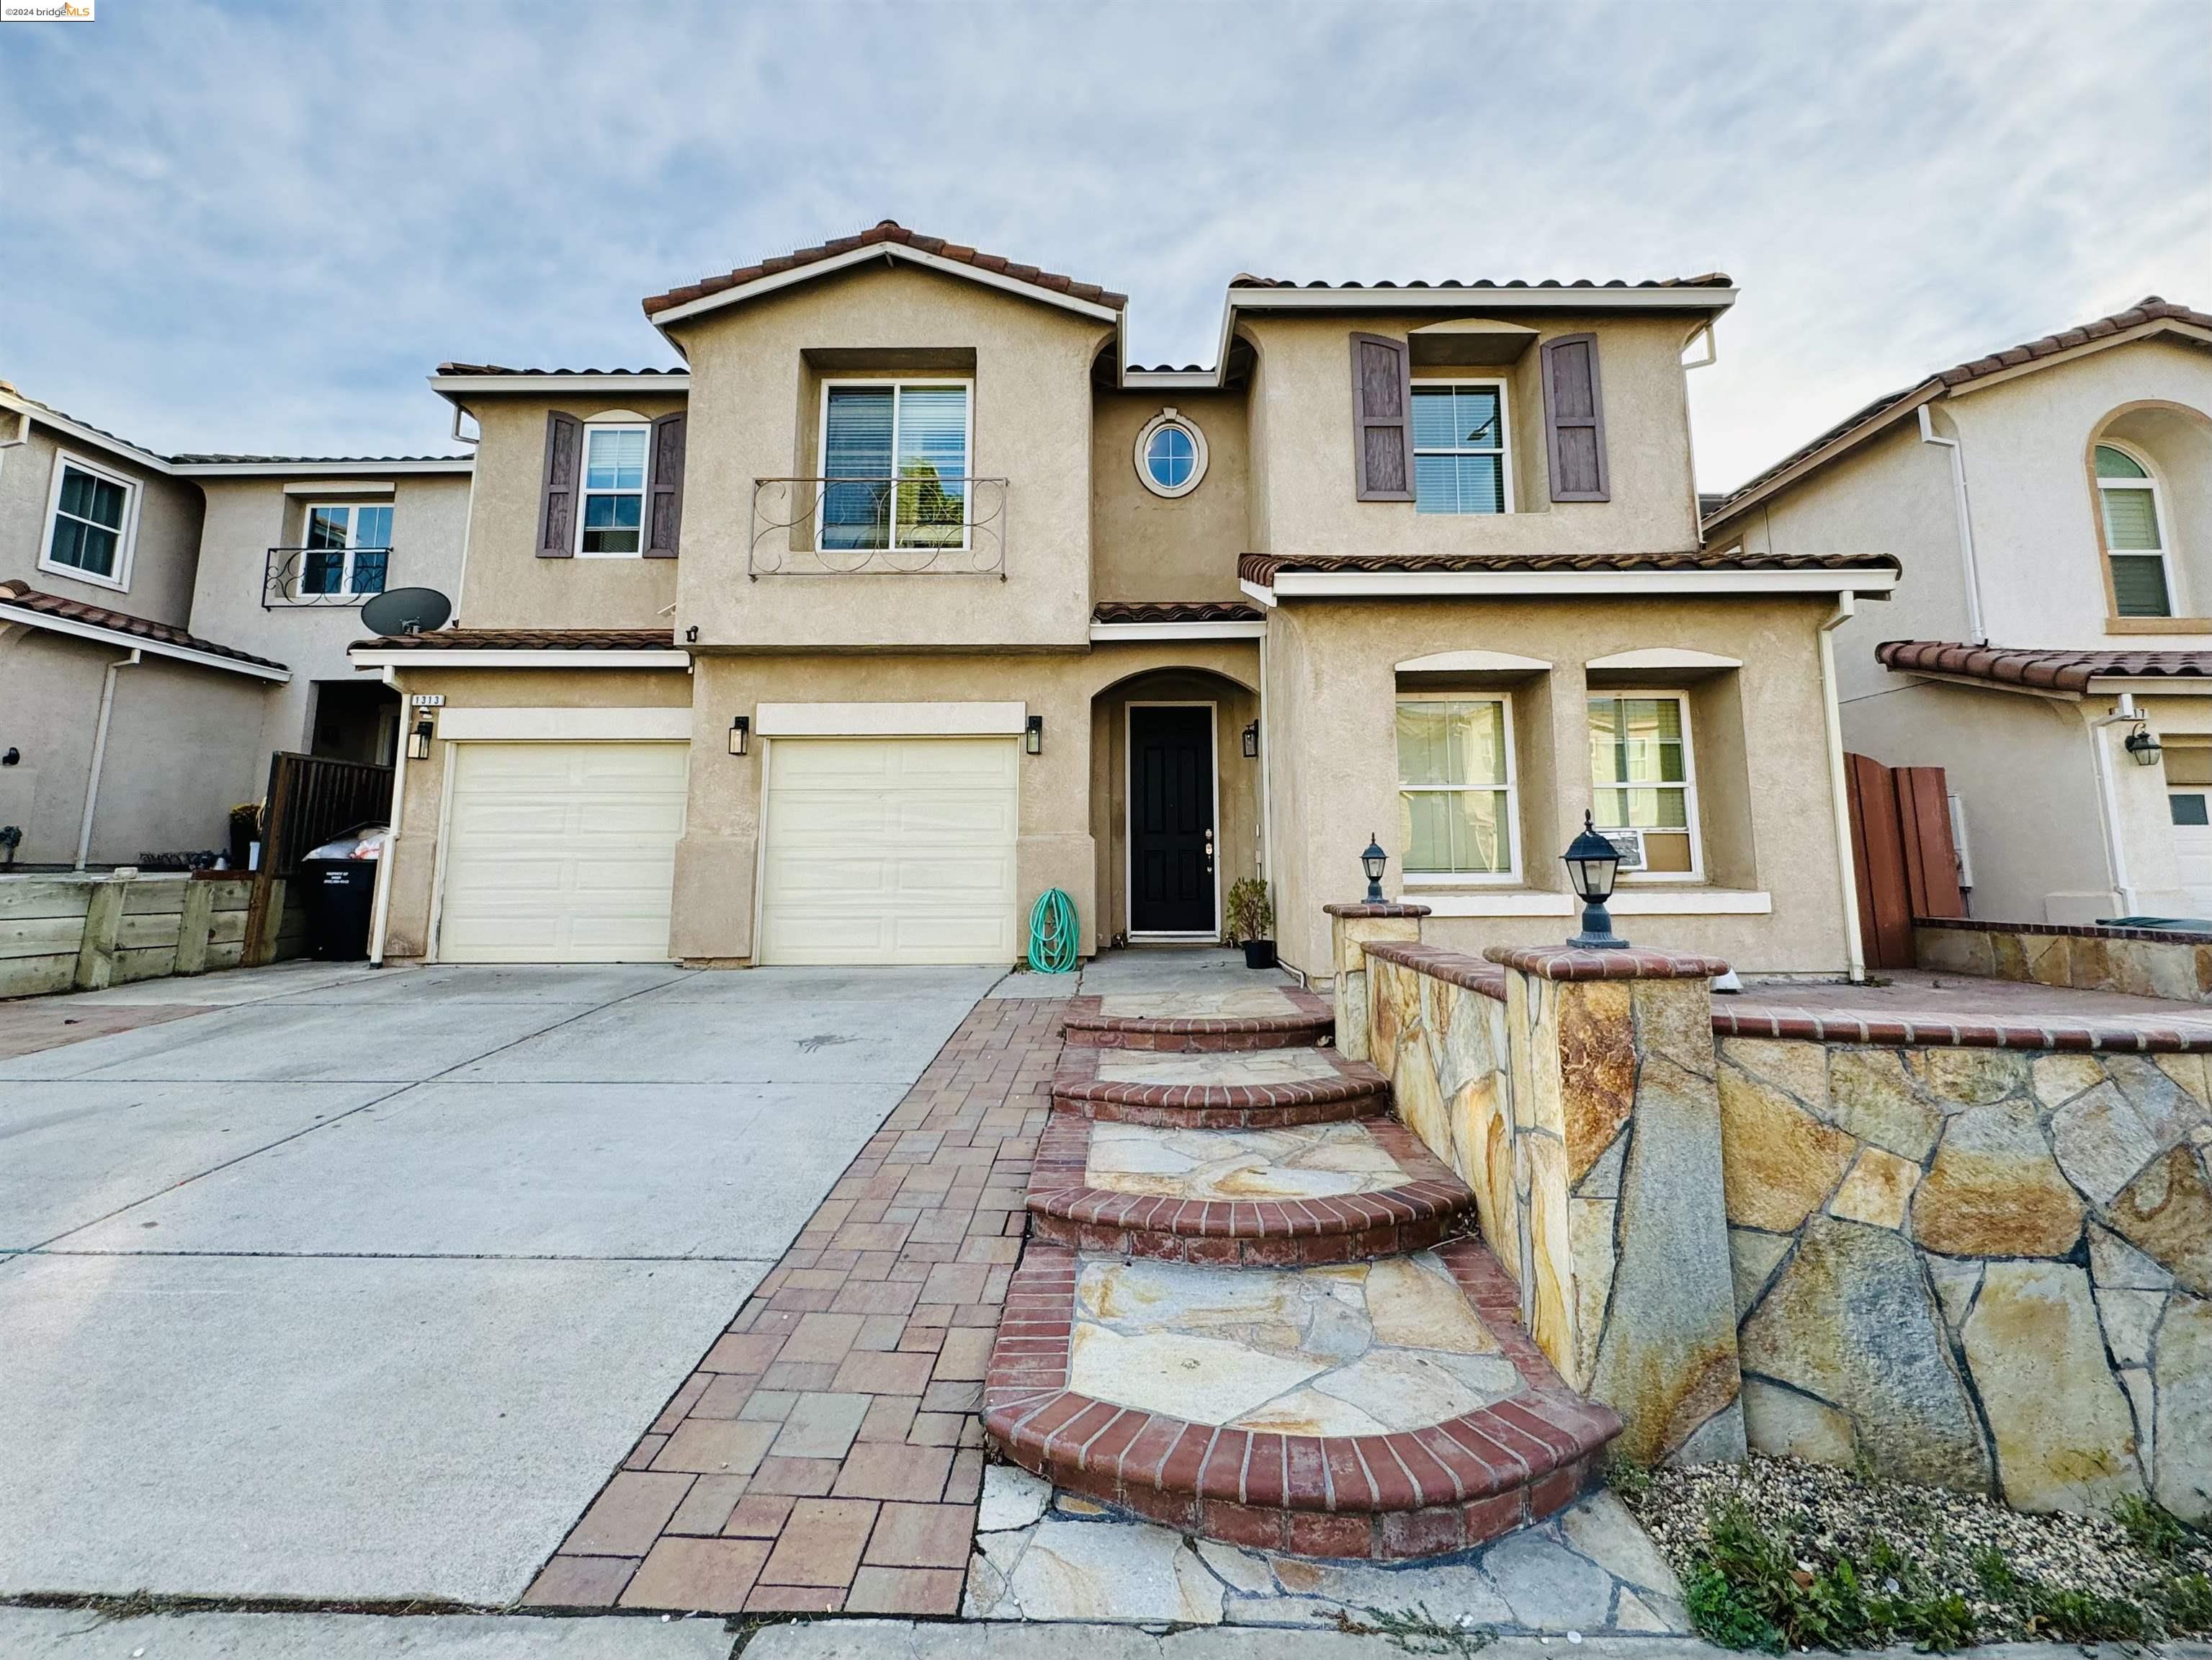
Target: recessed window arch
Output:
[(2138, 550), (1170, 454)]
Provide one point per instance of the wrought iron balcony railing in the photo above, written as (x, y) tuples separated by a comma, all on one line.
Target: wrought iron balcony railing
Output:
[(916, 525), (323, 576)]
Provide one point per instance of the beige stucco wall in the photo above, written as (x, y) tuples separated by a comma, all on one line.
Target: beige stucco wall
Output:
[(166, 549), (506, 585), (1757, 737), (2021, 764), (1303, 453), (754, 414), (1067, 830), (1147, 547), (181, 749), (246, 517)]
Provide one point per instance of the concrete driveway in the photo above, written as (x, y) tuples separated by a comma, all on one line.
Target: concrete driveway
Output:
[(357, 1288)]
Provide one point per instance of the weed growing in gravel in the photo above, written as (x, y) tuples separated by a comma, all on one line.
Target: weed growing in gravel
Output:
[(1776, 1554), (1415, 1631)]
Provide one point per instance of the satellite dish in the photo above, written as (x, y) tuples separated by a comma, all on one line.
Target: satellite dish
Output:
[(407, 611)]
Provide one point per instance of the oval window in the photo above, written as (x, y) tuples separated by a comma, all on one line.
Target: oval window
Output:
[(1170, 455)]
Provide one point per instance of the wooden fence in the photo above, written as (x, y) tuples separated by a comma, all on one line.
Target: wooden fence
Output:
[(1903, 854), (81, 933), (312, 797)]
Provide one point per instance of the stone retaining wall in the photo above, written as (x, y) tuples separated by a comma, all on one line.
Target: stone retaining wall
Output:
[(1982, 1267), (2139, 962)]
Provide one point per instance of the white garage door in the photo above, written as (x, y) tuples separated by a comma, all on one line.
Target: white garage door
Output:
[(889, 851), (2191, 810), (561, 853)]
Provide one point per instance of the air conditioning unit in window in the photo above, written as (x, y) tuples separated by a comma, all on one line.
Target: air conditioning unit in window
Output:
[(1629, 844)]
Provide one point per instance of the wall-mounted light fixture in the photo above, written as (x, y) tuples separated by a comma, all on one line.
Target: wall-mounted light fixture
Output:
[(691, 635), (1033, 735), (2143, 745), (13, 757), (741, 734), (419, 735), (1252, 742)]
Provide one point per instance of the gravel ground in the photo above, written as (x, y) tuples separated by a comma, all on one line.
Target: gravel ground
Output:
[(1824, 1512)]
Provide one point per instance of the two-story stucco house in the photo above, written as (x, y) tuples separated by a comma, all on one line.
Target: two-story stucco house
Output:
[(2050, 645), (908, 599), (166, 622)]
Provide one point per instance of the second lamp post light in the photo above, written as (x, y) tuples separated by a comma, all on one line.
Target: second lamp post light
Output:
[(1592, 862)]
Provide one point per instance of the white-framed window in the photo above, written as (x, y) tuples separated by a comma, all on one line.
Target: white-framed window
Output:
[(346, 546), (1456, 811), (895, 463), (2134, 532), (1644, 783), (92, 521), (1170, 454), (613, 523), (1461, 463)]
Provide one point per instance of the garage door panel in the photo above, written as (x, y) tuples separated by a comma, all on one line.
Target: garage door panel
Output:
[(891, 850), (562, 851)]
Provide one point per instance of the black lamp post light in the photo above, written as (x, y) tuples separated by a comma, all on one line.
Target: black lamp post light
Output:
[(1592, 863), (1372, 862)]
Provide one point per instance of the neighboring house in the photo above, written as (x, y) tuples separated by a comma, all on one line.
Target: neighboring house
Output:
[(2050, 645), (147, 671), (907, 599)]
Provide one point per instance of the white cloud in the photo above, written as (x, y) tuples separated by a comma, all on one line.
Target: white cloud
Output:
[(248, 227)]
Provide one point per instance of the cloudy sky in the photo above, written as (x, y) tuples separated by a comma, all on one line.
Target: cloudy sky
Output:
[(256, 227)]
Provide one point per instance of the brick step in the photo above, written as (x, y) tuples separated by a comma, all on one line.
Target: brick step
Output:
[(1392, 1410), (1265, 1017), (1284, 1197), (1239, 1090)]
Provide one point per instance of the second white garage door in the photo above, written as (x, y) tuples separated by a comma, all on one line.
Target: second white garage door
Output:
[(889, 851), (561, 853)]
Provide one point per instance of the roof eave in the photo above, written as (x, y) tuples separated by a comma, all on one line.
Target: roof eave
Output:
[(362, 468), (454, 387)]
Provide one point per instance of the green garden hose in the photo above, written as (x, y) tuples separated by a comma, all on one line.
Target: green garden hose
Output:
[(1052, 934)]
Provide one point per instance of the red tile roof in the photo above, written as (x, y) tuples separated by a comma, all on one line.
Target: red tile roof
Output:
[(501, 369), (524, 640), (1261, 567), (1712, 279), (25, 597), (888, 230), (2026, 666), (1175, 611), (1864, 423)]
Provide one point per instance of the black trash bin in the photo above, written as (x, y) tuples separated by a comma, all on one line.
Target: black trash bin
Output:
[(339, 893)]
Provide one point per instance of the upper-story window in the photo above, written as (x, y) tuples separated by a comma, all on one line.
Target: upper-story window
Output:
[(1644, 786), (2135, 533), (1170, 454), (1455, 785), (347, 547), (90, 519), (1459, 448), (613, 523), (895, 463)]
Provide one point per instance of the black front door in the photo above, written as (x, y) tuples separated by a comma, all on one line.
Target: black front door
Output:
[(1171, 821)]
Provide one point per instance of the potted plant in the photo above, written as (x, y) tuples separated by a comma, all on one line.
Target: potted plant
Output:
[(1252, 922)]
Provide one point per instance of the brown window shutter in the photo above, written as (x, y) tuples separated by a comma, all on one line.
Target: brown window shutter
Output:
[(1574, 419), (1381, 418), (557, 500), (664, 509)]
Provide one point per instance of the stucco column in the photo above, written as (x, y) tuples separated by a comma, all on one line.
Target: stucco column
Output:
[(1350, 929), (1630, 1295)]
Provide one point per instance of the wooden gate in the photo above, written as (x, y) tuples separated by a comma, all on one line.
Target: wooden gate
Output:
[(1902, 852), (312, 797)]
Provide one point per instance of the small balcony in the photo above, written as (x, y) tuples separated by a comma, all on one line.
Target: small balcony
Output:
[(919, 524), (325, 577)]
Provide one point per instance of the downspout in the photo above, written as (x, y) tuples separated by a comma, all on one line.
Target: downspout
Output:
[(1975, 628), (468, 525), (2108, 803), (1838, 787), (1267, 795), (379, 915), (99, 752)]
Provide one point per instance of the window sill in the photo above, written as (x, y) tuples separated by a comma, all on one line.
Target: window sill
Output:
[(1690, 901), (70, 573), (1493, 902), (2158, 625)]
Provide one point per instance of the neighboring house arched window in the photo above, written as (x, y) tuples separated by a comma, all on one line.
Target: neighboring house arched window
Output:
[(2135, 533)]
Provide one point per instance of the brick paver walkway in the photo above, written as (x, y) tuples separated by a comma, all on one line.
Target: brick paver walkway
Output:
[(827, 1454)]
